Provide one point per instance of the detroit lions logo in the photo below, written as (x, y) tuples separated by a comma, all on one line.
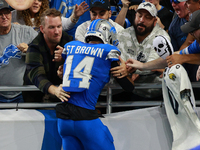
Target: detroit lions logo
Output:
[(144, 5), (172, 76), (101, 1), (183, 38), (10, 51)]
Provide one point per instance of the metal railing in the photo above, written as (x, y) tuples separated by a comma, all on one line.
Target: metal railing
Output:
[(108, 104)]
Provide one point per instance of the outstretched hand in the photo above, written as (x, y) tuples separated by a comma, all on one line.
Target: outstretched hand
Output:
[(133, 64), (120, 71), (61, 94), (126, 3), (174, 59), (80, 9), (133, 7)]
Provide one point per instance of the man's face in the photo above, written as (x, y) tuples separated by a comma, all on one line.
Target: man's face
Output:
[(20, 4), (144, 22), (192, 6), (52, 30), (99, 13), (180, 9), (5, 18)]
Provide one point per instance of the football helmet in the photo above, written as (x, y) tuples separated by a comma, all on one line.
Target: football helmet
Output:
[(103, 30)]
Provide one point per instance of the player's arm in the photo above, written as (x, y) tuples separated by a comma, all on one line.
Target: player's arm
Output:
[(120, 71), (126, 83)]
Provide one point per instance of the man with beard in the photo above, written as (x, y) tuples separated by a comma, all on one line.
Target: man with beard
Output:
[(137, 42), (44, 57)]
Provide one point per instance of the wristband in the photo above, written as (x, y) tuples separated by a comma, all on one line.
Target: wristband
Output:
[(74, 20)]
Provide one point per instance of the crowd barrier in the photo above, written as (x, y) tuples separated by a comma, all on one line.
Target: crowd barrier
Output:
[(109, 104), (32, 129), (28, 126)]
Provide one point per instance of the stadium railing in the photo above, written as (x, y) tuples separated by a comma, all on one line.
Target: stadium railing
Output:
[(109, 104)]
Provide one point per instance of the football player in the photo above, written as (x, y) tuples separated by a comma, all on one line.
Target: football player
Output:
[(86, 71)]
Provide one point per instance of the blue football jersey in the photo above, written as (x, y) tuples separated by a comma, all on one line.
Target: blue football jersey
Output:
[(87, 70)]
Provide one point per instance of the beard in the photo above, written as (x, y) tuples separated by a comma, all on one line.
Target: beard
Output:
[(147, 30)]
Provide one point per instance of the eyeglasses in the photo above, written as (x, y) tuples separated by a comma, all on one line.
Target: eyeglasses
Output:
[(175, 1), (5, 12)]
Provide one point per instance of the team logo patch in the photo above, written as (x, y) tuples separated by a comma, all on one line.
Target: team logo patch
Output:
[(172, 76), (10, 51), (145, 5), (141, 57), (100, 1)]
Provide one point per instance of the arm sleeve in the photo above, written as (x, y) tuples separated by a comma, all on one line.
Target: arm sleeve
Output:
[(123, 82), (193, 48), (67, 24), (35, 69), (80, 32)]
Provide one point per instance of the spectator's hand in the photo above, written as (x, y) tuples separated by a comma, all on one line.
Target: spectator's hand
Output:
[(159, 70), (80, 9), (60, 72), (22, 47), (126, 3), (159, 22), (133, 64), (198, 74), (120, 71), (133, 7), (61, 94), (58, 54), (174, 59)]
